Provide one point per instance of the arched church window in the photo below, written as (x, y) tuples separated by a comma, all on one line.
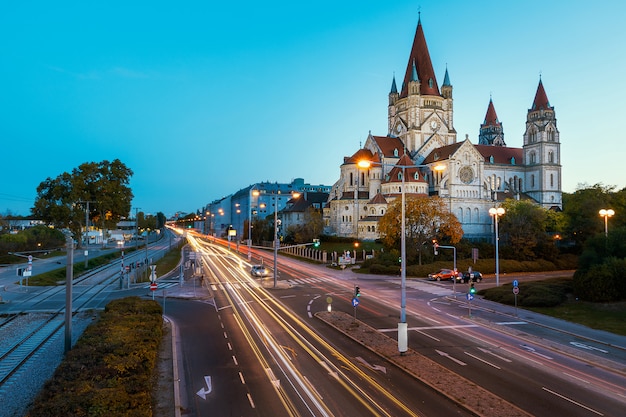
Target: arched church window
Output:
[(395, 152), (491, 160), (400, 176), (551, 135), (551, 180), (512, 160), (416, 176), (533, 158), (532, 181), (551, 156), (430, 83), (351, 179)]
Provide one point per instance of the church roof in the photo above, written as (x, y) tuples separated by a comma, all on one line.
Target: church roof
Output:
[(388, 145), (443, 152), (541, 99), (500, 154), (419, 60), (491, 118), (411, 172), (361, 154), (378, 199)]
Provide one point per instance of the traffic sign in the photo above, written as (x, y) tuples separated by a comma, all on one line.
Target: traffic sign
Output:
[(355, 302), (515, 283), (515, 290), (153, 286), (470, 297)]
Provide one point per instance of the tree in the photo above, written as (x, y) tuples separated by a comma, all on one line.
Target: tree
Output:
[(311, 228), (523, 229), (427, 218), (62, 201), (581, 210)]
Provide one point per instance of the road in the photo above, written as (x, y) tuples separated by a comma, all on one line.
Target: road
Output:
[(250, 349)]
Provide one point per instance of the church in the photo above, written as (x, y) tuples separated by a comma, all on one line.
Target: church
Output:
[(420, 156)]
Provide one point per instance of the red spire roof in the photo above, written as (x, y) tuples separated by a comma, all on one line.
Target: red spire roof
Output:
[(491, 119), (421, 58), (541, 99), (395, 175)]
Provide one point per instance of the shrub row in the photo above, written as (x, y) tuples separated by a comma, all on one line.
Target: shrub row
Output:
[(110, 370)]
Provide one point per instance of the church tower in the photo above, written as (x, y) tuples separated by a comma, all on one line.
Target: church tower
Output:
[(419, 112), (491, 132), (542, 153)]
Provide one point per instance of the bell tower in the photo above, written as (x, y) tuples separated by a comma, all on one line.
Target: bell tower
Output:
[(542, 153)]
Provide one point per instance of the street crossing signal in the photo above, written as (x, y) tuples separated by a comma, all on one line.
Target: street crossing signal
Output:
[(472, 289), (357, 292), (316, 243), (435, 247)]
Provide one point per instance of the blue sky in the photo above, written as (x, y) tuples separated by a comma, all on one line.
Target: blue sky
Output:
[(202, 98)]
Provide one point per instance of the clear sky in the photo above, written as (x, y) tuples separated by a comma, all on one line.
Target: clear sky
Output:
[(202, 98)]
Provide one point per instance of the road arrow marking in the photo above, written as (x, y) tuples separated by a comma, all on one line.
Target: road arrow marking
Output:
[(272, 378), (533, 350), (450, 357), (583, 346), (204, 392), (374, 367)]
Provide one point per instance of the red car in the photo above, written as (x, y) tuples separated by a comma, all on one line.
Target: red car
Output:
[(444, 275)]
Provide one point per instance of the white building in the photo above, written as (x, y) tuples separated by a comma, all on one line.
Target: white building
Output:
[(422, 138)]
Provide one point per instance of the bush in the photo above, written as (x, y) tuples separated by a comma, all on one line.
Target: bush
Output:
[(601, 283), (109, 372), (548, 293)]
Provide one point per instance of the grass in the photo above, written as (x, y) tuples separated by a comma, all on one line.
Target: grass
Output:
[(554, 297), (610, 317)]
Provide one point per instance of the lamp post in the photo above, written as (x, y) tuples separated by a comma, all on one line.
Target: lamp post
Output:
[(402, 325), (253, 193), (606, 213), (496, 212), (276, 243)]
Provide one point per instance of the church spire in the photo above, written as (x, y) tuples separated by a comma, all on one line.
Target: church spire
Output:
[(419, 64), (541, 99), (491, 131)]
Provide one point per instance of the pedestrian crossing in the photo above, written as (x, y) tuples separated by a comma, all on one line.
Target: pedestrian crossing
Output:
[(161, 285), (426, 287)]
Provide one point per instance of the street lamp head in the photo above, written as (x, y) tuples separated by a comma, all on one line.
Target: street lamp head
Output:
[(499, 211), (607, 212)]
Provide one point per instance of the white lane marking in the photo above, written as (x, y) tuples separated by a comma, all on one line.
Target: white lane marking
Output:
[(505, 323), (494, 354), (243, 381), (461, 326), (482, 360), (427, 335), (235, 360), (572, 401), (577, 378), (250, 400), (447, 355), (588, 347)]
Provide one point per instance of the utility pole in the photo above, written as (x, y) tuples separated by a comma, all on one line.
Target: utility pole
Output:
[(87, 231), (136, 227)]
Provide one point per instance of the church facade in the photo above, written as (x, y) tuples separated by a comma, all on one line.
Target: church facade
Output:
[(420, 155)]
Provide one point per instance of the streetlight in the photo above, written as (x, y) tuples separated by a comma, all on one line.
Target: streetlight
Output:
[(276, 243), (253, 193), (402, 325), (606, 213), (496, 212)]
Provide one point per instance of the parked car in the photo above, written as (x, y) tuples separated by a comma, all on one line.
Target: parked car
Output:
[(259, 271), (474, 276), (444, 275)]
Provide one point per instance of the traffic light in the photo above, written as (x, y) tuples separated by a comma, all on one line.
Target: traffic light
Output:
[(472, 289), (435, 247), (316, 243), (357, 292)]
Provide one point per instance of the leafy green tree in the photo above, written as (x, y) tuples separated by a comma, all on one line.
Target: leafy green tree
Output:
[(581, 211), (427, 218), (61, 201), (522, 229)]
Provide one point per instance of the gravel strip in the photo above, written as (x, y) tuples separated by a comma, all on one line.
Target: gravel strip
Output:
[(22, 388)]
